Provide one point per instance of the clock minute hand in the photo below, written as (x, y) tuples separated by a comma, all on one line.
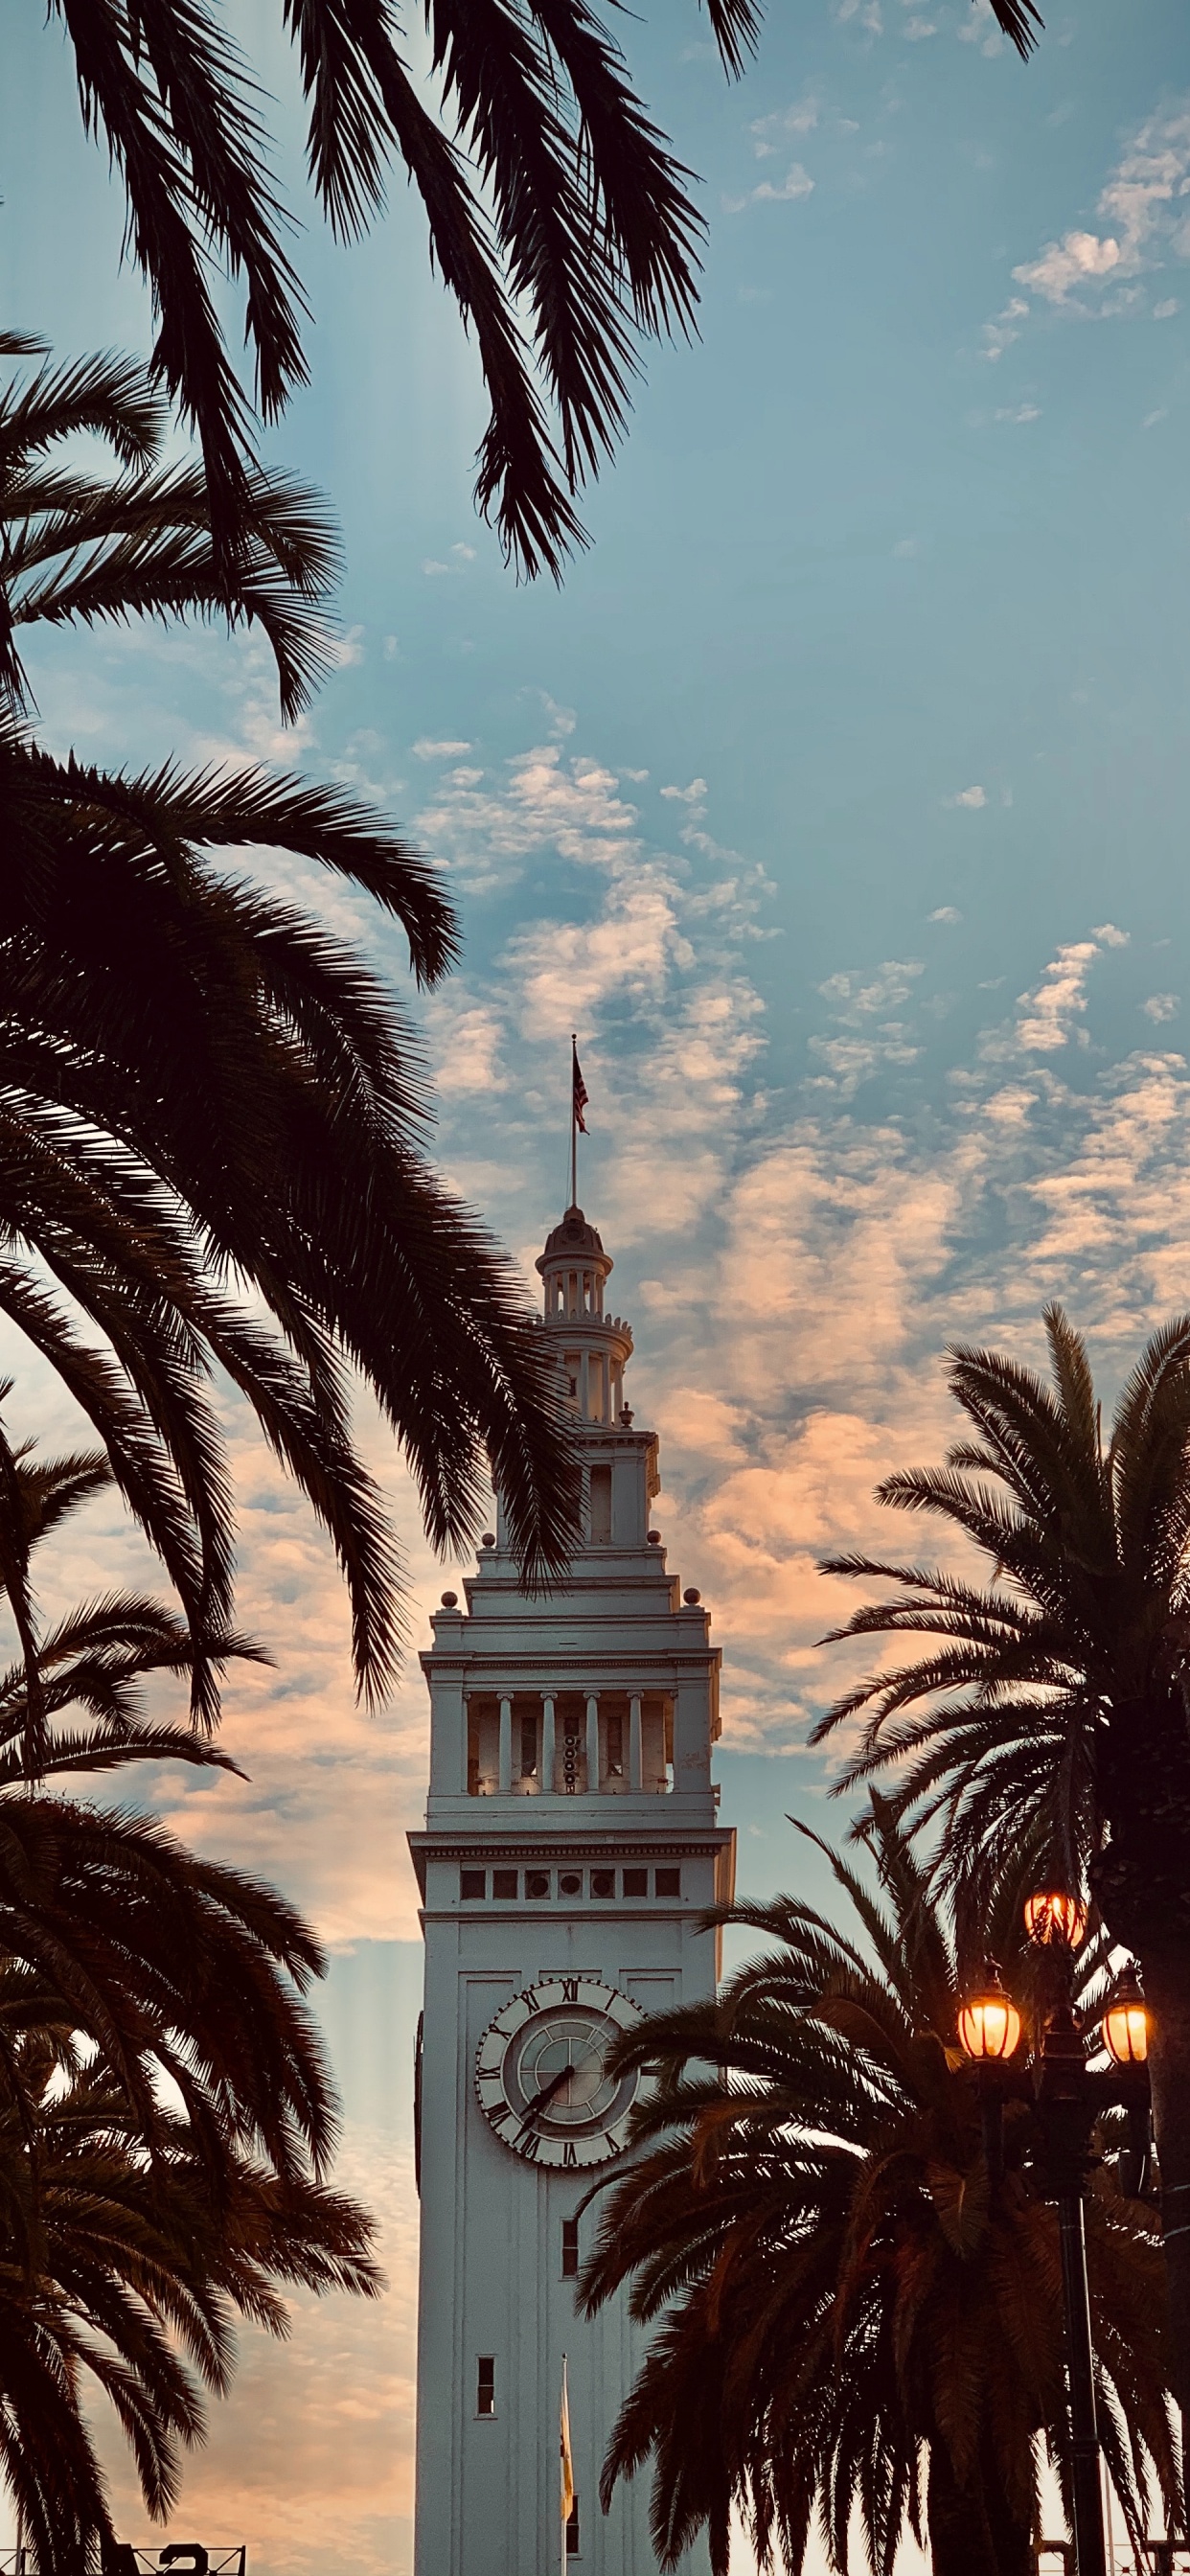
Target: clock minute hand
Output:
[(544, 2100)]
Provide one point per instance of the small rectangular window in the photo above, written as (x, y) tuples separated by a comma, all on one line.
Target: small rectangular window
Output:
[(569, 2248), (572, 2547), (473, 1882), (669, 1882), (636, 1882), (601, 1505), (504, 1882), (485, 2385), (528, 1748), (615, 1748)]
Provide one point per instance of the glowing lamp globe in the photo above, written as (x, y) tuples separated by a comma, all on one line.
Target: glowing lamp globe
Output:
[(1054, 1919), (989, 2023), (1126, 2023)]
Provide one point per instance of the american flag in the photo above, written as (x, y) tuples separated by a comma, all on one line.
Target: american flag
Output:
[(580, 1089)]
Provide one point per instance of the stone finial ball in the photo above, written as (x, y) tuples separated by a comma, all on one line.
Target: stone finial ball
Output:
[(692, 1597), (654, 1538), (488, 1539), (450, 1600)]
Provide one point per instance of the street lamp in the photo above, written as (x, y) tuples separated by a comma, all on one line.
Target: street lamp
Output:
[(1068, 2099)]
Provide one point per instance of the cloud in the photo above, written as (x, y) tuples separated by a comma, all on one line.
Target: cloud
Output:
[(767, 132), (1018, 412), (796, 183), (945, 912), (973, 797), (1142, 209), (427, 749), (1069, 263), (1161, 1006)]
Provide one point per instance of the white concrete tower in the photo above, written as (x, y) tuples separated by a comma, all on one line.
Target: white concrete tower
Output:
[(571, 1842)]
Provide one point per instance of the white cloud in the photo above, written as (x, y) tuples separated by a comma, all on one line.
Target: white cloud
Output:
[(428, 749), (767, 132), (1018, 412), (945, 912), (1070, 262), (1161, 1006), (1142, 210), (796, 183), (1165, 311), (972, 797)]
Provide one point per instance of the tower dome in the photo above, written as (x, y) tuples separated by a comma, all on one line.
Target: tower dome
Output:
[(593, 1348)]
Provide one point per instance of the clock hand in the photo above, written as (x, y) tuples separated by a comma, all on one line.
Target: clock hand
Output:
[(544, 2099)]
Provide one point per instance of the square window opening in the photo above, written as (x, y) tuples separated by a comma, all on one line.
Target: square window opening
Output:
[(504, 1882), (472, 1883), (537, 1882), (668, 1882), (603, 1882), (636, 1882)]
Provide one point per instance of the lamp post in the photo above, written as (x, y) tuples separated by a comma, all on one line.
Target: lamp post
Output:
[(1068, 2099)]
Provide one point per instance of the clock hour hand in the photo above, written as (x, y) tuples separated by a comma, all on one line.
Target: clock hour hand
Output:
[(544, 2100)]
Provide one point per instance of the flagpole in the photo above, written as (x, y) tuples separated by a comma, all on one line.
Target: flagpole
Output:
[(573, 1134)]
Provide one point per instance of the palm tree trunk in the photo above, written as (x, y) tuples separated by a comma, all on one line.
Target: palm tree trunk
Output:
[(972, 2531)]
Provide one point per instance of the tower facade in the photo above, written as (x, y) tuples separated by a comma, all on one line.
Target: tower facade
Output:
[(571, 1843)]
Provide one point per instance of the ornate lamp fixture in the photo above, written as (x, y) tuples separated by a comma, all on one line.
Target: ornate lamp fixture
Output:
[(1067, 2100), (989, 2023)]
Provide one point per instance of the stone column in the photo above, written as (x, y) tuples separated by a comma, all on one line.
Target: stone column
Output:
[(547, 1746), (505, 1746), (592, 1742), (636, 1749)]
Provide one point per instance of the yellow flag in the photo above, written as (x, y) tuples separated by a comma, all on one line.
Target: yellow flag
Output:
[(567, 2464)]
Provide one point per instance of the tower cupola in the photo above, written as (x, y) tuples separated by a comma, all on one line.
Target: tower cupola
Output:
[(593, 1348)]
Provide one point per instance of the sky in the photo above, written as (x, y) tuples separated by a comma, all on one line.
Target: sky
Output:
[(837, 799)]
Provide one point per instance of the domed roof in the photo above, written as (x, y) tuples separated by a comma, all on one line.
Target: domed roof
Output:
[(574, 1235)]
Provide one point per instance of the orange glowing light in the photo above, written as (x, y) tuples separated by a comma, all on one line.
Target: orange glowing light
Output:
[(989, 2023), (1126, 2022), (1054, 1919)]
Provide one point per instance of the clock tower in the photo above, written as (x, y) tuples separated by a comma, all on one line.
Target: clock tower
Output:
[(571, 1844)]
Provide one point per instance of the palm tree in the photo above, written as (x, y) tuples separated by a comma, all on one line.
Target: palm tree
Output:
[(198, 1087), (166, 2119), (121, 2271), (851, 2316), (557, 216), (78, 546), (201, 1091), (1047, 1720)]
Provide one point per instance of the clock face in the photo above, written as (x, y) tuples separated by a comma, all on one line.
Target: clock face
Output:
[(541, 2078)]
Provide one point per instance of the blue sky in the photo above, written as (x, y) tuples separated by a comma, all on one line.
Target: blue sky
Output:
[(838, 798)]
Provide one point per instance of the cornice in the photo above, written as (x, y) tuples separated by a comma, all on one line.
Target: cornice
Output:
[(679, 1846), (539, 1661)]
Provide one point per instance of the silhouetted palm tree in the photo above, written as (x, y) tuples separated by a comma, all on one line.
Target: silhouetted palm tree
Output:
[(77, 545), (166, 2118), (1047, 1724), (202, 1090), (557, 217), (850, 2318), (122, 2266)]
